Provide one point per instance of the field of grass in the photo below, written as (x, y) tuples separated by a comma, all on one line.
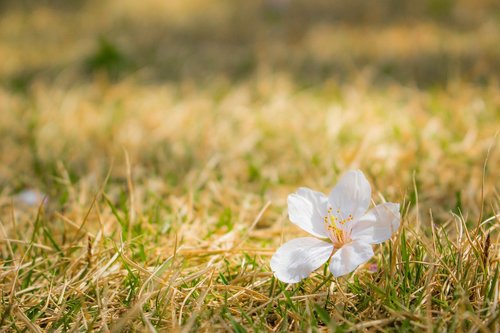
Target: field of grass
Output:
[(147, 150)]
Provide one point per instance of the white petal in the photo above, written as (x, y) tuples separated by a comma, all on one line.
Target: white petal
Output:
[(296, 259), (351, 196), (378, 224), (307, 208), (350, 256)]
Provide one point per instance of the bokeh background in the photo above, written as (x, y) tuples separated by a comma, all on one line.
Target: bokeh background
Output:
[(266, 91), (269, 91), (424, 43)]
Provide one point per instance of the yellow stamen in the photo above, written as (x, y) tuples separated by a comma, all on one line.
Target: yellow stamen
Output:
[(338, 236)]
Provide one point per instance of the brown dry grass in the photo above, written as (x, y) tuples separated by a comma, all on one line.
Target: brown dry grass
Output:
[(167, 151)]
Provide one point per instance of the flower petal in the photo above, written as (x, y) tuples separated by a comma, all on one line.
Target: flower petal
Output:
[(349, 257), (296, 259), (307, 208), (378, 224), (351, 196)]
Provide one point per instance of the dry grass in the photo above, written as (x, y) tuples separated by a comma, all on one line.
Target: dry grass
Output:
[(166, 137)]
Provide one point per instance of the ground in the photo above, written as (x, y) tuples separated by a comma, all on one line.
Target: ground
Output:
[(147, 150)]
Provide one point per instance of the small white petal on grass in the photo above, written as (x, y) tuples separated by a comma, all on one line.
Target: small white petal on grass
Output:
[(296, 259), (373, 268), (351, 195), (349, 257), (378, 224), (31, 197), (307, 208)]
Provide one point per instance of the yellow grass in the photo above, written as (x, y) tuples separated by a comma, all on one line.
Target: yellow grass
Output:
[(166, 136)]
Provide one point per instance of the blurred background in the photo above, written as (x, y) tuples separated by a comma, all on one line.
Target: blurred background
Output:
[(249, 95), (423, 43)]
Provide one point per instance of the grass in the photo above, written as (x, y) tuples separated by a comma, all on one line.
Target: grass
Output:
[(166, 137)]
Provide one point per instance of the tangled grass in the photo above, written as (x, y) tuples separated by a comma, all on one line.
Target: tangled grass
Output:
[(143, 187)]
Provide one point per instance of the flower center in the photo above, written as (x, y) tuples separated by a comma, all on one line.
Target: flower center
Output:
[(334, 223)]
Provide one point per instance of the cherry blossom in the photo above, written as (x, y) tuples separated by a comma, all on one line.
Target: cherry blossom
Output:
[(343, 229)]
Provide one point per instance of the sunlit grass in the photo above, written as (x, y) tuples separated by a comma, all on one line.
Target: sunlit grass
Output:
[(166, 194)]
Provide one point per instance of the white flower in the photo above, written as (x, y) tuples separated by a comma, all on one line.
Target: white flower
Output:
[(343, 225)]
